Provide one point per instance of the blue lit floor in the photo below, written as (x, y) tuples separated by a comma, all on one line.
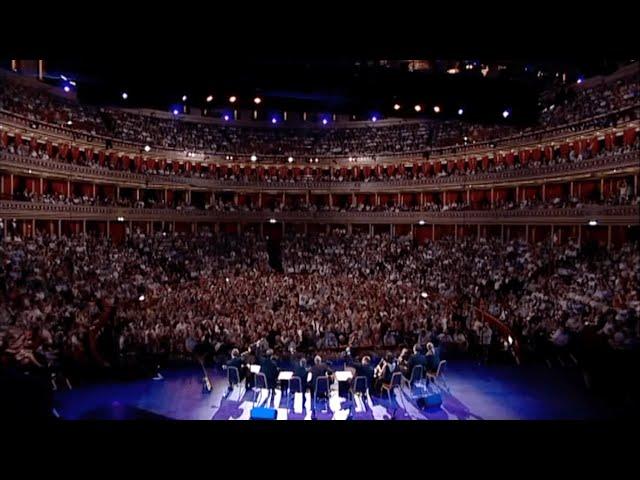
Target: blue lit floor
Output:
[(474, 393)]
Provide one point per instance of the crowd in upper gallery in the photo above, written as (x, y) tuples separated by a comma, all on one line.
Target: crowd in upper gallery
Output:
[(602, 105)]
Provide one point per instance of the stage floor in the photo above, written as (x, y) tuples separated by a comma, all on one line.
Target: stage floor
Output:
[(474, 392)]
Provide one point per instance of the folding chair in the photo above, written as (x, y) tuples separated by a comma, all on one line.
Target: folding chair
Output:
[(415, 379), (233, 376), (259, 385), (361, 388), (396, 382), (439, 375), (295, 386), (322, 388)]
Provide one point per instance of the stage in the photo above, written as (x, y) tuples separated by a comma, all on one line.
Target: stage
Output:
[(494, 392)]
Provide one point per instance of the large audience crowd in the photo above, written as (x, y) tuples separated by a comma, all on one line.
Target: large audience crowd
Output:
[(72, 302), (568, 105), (562, 106), (363, 173)]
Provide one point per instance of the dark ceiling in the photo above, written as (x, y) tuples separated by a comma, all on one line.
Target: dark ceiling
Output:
[(353, 86)]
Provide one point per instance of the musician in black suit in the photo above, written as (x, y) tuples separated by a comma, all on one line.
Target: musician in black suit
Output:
[(236, 361), (418, 358), (319, 369), (270, 369), (433, 359), (301, 371), (364, 369)]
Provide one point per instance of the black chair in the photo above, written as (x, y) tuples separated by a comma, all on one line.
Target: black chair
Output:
[(361, 388), (321, 389), (396, 382), (233, 376), (417, 374), (260, 384), (295, 386)]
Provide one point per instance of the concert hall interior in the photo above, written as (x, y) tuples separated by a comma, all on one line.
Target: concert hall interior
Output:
[(354, 239)]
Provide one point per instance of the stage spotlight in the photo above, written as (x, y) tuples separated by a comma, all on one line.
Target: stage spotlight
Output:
[(141, 298), (274, 120), (417, 108), (374, 119), (580, 80), (253, 158), (396, 106), (424, 294), (232, 99), (506, 114), (436, 109), (66, 88), (226, 118), (593, 223), (324, 121), (147, 148), (69, 122), (184, 98), (121, 219), (290, 159), (125, 95), (421, 222), (210, 98), (460, 111), (175, 111), (272, 220), (257, 100)]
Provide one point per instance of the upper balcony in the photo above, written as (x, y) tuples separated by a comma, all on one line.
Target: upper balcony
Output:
[(609, 163)]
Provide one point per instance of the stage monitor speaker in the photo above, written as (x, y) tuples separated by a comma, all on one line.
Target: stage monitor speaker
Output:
[(261, 413)]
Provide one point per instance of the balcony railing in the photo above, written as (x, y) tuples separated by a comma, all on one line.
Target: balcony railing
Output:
[(624, 214), (583, 127), (80, 172)]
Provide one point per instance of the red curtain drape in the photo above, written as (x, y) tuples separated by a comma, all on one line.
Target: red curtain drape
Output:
[(629, 136), (609, 141)]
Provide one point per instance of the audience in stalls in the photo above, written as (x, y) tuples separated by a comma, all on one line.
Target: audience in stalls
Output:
[(83, 300)]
